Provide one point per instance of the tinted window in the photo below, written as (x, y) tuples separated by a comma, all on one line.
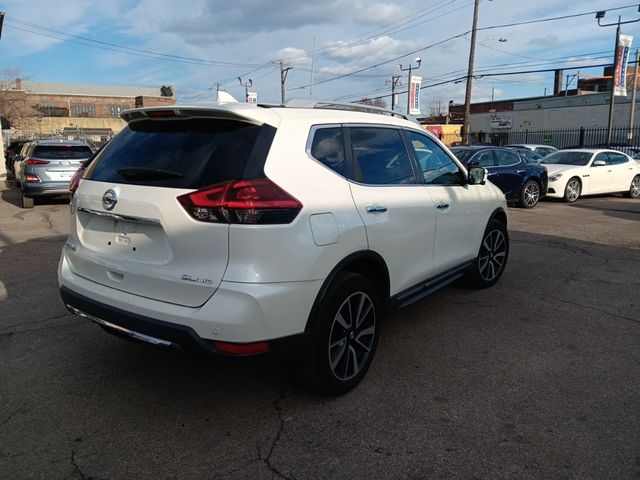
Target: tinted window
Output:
[(462, 155), (61, 151), (188, 153), (436, 166), (484, 158), (379, 156), (328, 148), (568, 158), (505, 158), (617, 159)]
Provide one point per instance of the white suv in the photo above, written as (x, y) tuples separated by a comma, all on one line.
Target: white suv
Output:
[(239, 230)]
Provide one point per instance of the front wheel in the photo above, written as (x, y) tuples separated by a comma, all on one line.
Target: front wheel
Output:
[(492, 257), (530, 194), (634, 189), (345, 329), (572, 190)]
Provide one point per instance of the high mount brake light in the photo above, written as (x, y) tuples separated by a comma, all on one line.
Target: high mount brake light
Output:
[(256, 201), (161, 113)]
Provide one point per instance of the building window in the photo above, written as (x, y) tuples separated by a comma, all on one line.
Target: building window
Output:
[(116, 110), (83, 110), (51, 111)]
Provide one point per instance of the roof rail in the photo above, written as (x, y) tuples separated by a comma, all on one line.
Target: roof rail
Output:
[(356, 107)]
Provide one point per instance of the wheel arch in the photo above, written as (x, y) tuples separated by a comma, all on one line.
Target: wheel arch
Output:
[(365, 262), (500, 215)]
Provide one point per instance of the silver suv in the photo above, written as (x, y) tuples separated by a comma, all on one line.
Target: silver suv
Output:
[(45, 167), (238, 230)]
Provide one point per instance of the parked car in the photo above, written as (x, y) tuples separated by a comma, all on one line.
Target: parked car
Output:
[(529, 155), (237, 230), (13, 149), (45, 167), (574, 173), (520, 181), (543, 150)]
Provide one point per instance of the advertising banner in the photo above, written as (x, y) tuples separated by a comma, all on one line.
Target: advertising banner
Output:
[(252, 98), (414, 95), (622, 57), (500, 123)]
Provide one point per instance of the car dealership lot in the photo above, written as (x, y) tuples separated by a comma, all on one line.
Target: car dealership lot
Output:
[(536, 377)]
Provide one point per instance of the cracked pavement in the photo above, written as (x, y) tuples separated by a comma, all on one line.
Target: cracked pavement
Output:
[(534, 378)]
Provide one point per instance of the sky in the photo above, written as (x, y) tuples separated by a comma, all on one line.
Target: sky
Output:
[(337, 49)]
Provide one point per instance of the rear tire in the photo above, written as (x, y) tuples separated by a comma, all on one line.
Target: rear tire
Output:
[(573, 190), (492, 257), (27, 202), (530, 194), (345, 328), (634, 188)]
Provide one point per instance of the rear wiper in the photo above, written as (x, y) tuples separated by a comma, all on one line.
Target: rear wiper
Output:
[(146, 173)]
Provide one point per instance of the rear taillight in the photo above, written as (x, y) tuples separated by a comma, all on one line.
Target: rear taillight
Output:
[(75, 180), (31, 178), (250, 202), (31, 161)]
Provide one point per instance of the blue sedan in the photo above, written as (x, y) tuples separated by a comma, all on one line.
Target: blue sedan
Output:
[(521, 181)]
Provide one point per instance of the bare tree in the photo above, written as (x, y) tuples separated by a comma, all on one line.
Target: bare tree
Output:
[(374, 102), (13, 101), (436, 108)]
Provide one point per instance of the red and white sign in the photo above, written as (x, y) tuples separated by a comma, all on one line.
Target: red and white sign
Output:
[(414, 95), (622, 57), (252, 98)]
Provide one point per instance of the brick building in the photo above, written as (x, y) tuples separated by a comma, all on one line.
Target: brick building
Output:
[(72, 111)]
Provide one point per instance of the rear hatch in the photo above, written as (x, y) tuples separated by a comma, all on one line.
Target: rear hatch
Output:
[(56, 163), (132, 231)]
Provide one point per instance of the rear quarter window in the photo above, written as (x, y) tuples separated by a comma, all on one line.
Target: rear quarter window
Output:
[(185, 153)]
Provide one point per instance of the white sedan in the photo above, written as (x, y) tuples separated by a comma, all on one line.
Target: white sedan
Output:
[(573, 173)]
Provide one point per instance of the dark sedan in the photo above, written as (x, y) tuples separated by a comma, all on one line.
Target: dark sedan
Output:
[(522, 182)]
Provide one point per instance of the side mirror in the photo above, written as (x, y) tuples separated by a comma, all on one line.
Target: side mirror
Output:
[(599, 163), (477, 175)]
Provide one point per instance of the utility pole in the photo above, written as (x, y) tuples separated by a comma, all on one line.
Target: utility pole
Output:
[(283, 78), (599, 16), (632, 113), (467, 95), (409, 68), (313, 61), (395, 79), (246, 86), (493, 91)]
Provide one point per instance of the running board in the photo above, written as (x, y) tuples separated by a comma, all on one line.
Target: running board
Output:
[(426, 288)]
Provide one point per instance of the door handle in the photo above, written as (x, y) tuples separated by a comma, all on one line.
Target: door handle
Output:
[(376, 209), (442, 205), (521, 171)]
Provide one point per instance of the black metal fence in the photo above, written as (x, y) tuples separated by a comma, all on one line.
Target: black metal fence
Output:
[(564, 138)]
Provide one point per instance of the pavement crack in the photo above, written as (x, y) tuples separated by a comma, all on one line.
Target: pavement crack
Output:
[(76, 468), (267, 460), (13, 414)]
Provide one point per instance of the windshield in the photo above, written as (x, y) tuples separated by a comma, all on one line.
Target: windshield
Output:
[(568, 158), (462, 155), (54, 152)]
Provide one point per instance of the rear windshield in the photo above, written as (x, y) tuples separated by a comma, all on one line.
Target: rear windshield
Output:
[(185, 153), (54, 152)]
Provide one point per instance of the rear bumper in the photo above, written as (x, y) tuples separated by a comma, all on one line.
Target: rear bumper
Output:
[(237, 312), (45, 189)]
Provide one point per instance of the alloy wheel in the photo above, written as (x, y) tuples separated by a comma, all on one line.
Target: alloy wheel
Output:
[(573, 190), (492, 255), (635, 188), (531, 194), (352, 336)]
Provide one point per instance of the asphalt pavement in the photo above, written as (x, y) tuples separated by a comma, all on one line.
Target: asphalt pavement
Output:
[(535, 378)]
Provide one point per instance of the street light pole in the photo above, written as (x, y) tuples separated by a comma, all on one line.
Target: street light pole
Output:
[(246, 86), (409, 68), (395, 79), (467, 94), (599, 16)]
